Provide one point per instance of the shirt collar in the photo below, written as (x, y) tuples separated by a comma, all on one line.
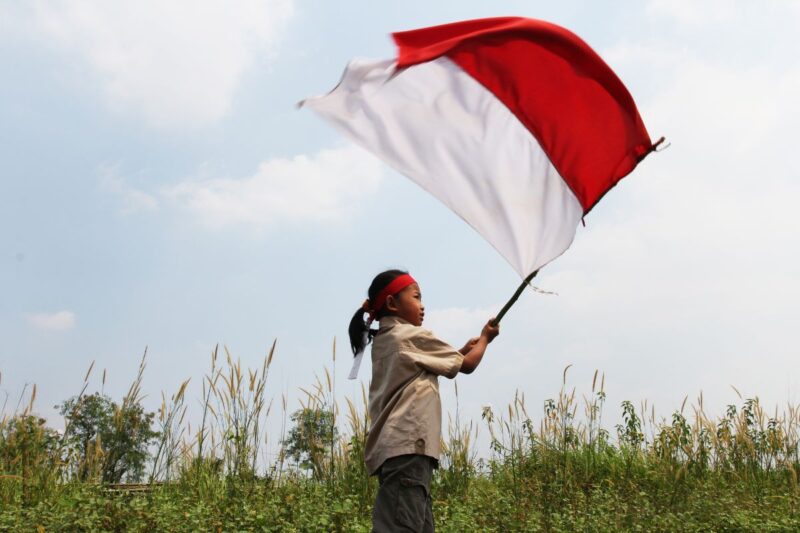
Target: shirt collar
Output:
[(390, 321)]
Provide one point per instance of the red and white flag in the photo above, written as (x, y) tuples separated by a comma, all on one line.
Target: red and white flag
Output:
[(515, 124)]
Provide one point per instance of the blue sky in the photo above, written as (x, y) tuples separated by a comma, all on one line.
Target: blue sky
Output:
[(159, 188)]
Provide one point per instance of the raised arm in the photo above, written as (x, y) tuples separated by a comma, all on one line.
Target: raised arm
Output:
[(475, 348)]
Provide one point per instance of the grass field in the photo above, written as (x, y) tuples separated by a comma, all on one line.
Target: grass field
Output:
[(557, 469)]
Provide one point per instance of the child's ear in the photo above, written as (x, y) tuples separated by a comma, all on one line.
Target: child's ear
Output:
[(391, 303)]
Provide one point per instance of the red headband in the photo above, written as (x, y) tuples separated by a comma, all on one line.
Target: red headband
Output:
[(398, 284)]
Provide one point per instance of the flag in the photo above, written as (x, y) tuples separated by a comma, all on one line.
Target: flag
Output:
[(515, 124)]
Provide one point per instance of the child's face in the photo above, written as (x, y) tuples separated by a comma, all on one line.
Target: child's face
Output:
[(407, 304)]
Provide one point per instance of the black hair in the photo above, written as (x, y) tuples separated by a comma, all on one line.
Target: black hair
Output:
[(358, 326)]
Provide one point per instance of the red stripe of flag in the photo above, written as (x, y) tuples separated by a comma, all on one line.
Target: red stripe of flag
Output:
[(580, 112)]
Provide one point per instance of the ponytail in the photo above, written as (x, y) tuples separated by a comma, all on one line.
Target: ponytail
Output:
[(359, 330), (360, 333)]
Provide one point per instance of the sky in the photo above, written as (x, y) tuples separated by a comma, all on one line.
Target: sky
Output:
[(160, 189)]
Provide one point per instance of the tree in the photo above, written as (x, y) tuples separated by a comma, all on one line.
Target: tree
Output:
[(24, 440), (110, 441), (310, 440), (31, 452)]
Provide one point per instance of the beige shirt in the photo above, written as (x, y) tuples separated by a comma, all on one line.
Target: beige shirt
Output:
[(404, 405)]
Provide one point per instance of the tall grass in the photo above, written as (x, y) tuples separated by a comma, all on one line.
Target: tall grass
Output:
[(558, 468)]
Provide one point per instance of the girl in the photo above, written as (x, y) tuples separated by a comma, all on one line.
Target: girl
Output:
[(403, 445)]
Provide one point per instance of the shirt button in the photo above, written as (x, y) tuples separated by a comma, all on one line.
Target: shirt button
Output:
[(420, 443)]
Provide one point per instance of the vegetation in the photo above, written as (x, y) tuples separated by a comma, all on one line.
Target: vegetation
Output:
[(312, 439), (559, 470), (109, 441)]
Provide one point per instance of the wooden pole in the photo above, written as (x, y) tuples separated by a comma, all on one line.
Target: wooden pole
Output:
[(514, 298)]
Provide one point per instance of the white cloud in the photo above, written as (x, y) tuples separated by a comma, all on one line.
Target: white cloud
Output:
[(176, 63), (457, 324), (133, 200), (327, 186), (694, 12), (54, 322), (702, 14)]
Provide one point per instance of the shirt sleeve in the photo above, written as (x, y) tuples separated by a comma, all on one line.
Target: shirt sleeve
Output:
[(432, 354)]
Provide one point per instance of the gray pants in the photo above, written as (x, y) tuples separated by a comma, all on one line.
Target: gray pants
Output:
[(404, 497)]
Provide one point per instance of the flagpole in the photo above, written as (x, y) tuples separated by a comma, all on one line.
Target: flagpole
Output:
[(514, 298)]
